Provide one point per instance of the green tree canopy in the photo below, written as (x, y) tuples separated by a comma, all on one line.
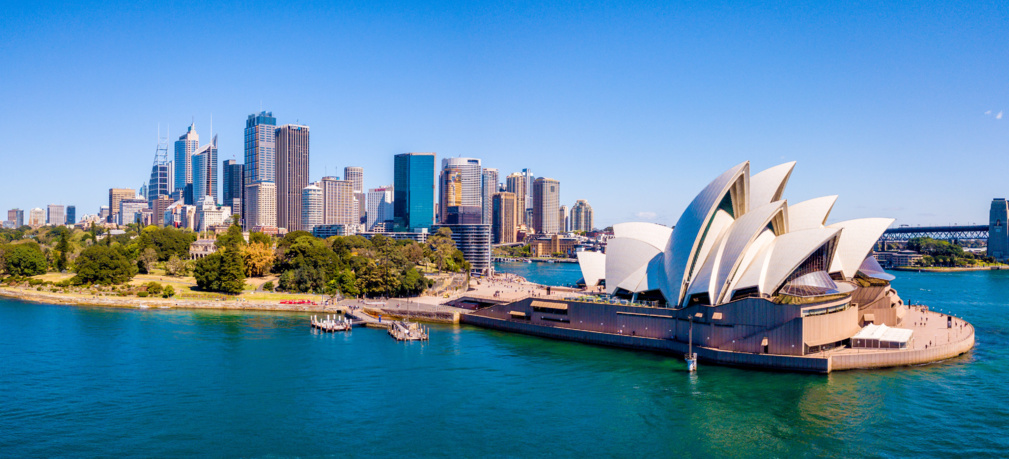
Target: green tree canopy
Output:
[(100, 264), (222, 271), (25, 260)]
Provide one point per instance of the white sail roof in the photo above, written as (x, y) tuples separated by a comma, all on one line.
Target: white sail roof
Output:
[(768, 185), (654, 234), (811, 213), (593, 265), (625, 256), (857, 238)]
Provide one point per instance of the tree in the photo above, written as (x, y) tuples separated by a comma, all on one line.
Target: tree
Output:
[(258, 259), (146, 260), (25, 260), (62, 247), (442, 248), (100, 264), (232, 239), (261, 238), (221, 271), (176, 266), (168, 292)]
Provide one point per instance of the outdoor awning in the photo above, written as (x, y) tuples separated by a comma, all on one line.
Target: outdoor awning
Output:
[(551, 305), (517, 314)]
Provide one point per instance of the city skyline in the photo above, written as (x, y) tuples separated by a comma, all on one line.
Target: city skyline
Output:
[(674, 87)]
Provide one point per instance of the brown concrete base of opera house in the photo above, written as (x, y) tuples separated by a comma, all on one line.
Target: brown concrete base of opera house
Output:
[(934, 341)]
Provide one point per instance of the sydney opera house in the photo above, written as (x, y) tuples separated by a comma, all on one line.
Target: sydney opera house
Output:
[(749, 279)]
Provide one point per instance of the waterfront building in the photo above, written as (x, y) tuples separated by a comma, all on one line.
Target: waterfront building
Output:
[(547, 245), (71, 215), (461, 193), (413, 203), (505, 218), (474, 241), (292, 146), (116, 195), (260, 155), (546, 205), (339, 206), (55, 215), (205, 172), (232, 185), (261, 205), (380, 208), (311, 207), (998, 235), (747, 279), (36, 218), (562, 219), (187, 144), (129, 210), (898, 259), (488, 188), (17, 217), (516, 183), (581, 216)]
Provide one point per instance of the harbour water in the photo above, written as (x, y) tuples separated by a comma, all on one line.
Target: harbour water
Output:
[(555, 274), (139, 383)]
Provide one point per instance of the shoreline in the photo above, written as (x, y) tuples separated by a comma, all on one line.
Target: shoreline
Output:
[(938, 269)]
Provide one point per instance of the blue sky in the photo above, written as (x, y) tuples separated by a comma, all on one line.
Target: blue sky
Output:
[(632, 106)]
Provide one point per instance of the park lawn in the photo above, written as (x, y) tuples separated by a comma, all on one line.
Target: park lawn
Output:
[(53, 277)]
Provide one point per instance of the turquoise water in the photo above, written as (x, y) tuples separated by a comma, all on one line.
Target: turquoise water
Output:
[(108, 382), (557, 274)]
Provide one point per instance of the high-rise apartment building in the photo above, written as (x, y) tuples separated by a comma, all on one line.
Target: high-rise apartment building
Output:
[(380, 208), (562, 219), (356, 176), (160, 206), (187, 144), (260, 154), (55, 215), (516, 183), (115, 196), (338, 204), (546, 205), (292, 174), (413, 205), (581, 216), (505, 218), (36, 217), (488, 188), (461, 197), (530, 178), (205, 172), (233, 186), (17, 217), (311, 207), (261, 205), (71, 215)]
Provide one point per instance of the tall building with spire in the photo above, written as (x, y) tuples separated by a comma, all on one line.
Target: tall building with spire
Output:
[(187, 144), (292, 174), (260, 164), (205, 172)]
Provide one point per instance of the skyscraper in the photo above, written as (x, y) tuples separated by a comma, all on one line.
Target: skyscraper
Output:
[(36, 217), (461, 191), (356, 176), (160, 183), (413, 205), (71, 215), (261, 205), (379, 206), (115, 196), (489, 187), (233, 186), (184, 148), (546, 205), (562, 219), (516, 183), (505, 218), (292, 174), (205, 172), (581, 216), (311, 207), (338, 204), (160, 206), (260, 153), (16, 216), (55, 215), (530, 178)]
